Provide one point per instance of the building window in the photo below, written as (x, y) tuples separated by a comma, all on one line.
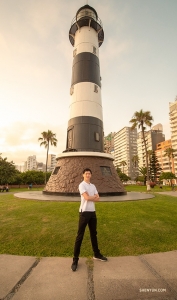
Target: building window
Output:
[(74, 52), (106, 171), (94, 50), (95, 88), (70, 138), (71, 90), (97, 137), (55, 172)]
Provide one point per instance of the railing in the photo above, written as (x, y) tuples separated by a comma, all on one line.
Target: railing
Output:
[(89, 15)]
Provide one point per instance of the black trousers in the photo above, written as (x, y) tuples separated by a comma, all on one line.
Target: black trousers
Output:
[(87, 218)]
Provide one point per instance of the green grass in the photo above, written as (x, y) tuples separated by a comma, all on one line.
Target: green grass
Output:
[(142, 188), (16, 190), (124, 228)]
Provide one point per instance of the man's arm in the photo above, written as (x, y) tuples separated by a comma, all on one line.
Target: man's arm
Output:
[(94, 198)]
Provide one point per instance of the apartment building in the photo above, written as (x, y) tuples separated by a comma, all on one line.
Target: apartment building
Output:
[(153, 137), (173, 125), (31, 162), (51, 162), (41, 166), (125, 148), (164, 160), (19, 168)]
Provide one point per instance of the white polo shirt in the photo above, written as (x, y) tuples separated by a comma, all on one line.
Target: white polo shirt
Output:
[(91, 190)]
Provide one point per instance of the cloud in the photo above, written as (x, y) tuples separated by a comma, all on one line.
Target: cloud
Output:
[(20, 140)]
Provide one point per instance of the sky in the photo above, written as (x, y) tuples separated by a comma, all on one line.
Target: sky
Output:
[(138, 62)]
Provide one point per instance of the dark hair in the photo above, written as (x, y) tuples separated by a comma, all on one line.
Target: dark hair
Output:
[(86, 170)]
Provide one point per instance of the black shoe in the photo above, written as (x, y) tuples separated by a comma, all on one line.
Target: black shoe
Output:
[(100, 257), (74, 264)]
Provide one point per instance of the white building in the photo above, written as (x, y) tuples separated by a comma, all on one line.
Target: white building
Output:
[(173, 125), (125, 148), (31, 162), (51, 162), (19, 168), (153, 137)]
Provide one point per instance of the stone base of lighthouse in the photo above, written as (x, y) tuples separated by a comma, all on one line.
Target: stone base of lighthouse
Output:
[(67, 174)]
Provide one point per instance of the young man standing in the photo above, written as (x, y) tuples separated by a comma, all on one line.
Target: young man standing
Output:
[(87, 216)]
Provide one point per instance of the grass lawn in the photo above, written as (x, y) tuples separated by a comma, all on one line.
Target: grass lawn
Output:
[(124, 228), (142, 188)]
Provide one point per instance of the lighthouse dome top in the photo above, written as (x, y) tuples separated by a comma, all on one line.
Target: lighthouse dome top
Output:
[(86, 16), (88, 11)]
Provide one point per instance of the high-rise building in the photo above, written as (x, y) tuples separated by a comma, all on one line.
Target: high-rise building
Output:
[(19, 168), (152, 137), (173, 125), (31, 162), (41, 167), (165, 164), (125, 148), (51, 162)]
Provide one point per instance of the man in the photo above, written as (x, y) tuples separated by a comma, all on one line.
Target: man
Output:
[(87, 216)]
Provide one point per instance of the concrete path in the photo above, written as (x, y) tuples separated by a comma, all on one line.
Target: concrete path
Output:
[(38, 195), (170, 193), (150, 276)]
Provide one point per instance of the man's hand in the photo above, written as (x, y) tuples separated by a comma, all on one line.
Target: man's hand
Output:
[(97, 197), (94, 198)]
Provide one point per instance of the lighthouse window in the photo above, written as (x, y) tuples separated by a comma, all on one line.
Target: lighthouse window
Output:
[(71, 90), (74, 52), (95, 88), (97, 136), (94, 50), (106, 171), (55, 172), (70, 138)]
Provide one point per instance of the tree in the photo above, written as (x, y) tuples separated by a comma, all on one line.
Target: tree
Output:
[(154, 167), (140, 120), (135, 160), (167, 176), (122, 176), (123, 163), (169, 153), (8, 172), (48, 138), (149, 155), (143, 171)]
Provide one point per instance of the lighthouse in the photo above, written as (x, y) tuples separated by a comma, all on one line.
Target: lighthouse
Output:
[(85, 133)]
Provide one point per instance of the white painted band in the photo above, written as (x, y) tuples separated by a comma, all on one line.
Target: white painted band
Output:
[(85, 39), (85, 102), (94, 154)]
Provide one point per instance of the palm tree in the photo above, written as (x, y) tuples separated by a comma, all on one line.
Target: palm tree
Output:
[(142, 119), (48, 138), (135, 160), (143, 171), (149, 155), (123, 163), (169, 153)]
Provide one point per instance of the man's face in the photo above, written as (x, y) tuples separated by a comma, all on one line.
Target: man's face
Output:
[(87, 175)]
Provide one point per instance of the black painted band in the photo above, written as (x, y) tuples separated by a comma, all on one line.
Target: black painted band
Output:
[(86, 68), (85, 134)]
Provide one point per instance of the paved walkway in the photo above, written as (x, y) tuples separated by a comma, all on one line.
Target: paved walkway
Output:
[(150, 276), (38, 195)]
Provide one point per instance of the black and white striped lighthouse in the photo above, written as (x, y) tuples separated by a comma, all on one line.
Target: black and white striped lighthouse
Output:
[(85, 126), (84, 144)]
